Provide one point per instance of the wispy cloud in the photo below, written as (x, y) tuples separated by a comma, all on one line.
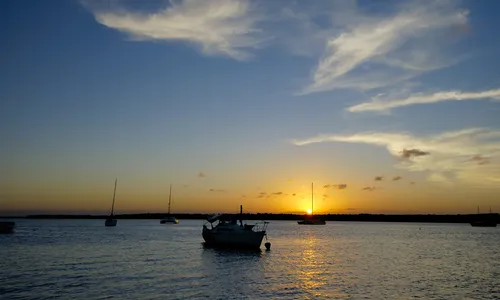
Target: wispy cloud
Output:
[(379, 178), (339, 186), (380, 104), (218, 27), (201, 175), (479, 159), (371, 51), (396, 178), (451, 152), (217, 190), (369, 188)]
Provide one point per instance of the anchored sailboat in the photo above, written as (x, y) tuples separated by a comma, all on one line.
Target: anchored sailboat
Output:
[(312, 220), (169, 218), (484, 220), (110, 221)]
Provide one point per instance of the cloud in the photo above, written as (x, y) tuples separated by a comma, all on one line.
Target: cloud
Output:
[(370, 51), (369, 188), (339, 186), (479, 159), (396, 178), (409, 153), (217, 27), (278, 193), (379, 178), (217, 190), (293, 194), (201, 175), (451, 152), (412, 182), (378, 104)]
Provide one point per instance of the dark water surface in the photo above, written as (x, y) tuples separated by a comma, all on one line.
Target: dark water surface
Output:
[(141, 259)]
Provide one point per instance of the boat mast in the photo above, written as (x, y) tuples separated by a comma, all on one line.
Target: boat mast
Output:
[(114, 194), (312, 199), (241, 215), (169, 199), (478, 209)]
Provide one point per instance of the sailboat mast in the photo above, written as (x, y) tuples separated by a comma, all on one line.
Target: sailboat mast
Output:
[(114, 194), (169, 199), (312, 198), (241, 215), (478, 210)]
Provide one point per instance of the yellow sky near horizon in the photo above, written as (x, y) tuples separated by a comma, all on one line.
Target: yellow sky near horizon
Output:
[(387, 197)]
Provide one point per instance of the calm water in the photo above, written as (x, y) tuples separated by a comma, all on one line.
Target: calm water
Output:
[(141, 259)]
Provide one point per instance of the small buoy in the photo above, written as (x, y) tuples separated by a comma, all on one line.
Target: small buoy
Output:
[(268, 245)]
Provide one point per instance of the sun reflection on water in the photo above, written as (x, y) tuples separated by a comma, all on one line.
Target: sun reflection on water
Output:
[(311, 270)]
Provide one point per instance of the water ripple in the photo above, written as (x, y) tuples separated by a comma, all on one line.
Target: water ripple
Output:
[(81, 259)]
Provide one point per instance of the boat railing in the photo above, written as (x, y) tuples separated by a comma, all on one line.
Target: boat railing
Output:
[(260, 226)]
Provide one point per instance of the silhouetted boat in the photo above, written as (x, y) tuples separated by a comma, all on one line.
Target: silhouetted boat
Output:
[(226, 232), (110, 220), (485, 221), (169, 218), (7, 227), (311, 220), (483, 224)]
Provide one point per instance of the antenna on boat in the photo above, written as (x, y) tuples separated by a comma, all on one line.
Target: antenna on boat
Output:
[(478, 209), (241, 215)]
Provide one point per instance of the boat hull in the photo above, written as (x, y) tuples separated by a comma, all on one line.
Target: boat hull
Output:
[(169, 222), (311, 222), (247, 239), (483, 224), (110, 222), (7, 227)]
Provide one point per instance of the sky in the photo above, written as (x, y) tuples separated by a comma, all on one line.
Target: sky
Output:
[(386, 106)]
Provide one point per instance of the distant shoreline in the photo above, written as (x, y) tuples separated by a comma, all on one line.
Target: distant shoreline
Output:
[(410, 218)]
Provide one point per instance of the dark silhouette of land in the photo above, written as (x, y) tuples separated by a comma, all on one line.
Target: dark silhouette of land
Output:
[(428, 218)]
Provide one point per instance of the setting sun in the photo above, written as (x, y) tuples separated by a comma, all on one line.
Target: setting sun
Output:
[(309, 211)]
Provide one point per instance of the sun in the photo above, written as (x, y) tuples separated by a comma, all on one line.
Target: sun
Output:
[(309, 211)]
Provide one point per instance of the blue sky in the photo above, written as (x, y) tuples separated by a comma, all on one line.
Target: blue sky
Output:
[(252, 94)]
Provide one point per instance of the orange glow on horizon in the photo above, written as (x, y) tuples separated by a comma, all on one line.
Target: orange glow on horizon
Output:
[(309, 211)]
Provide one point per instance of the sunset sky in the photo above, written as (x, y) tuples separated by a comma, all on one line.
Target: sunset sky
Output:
[(387, 106)]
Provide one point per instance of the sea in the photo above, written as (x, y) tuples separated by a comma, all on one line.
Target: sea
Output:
[(142, 259)]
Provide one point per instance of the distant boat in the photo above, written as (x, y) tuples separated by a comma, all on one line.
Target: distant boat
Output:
[(7, 227), (169, 218), (484, 222), (228, 233), (311, 220), (110, 220)]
